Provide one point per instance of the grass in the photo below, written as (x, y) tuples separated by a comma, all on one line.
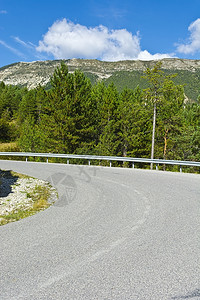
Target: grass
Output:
[(9, 147), (40, 197)]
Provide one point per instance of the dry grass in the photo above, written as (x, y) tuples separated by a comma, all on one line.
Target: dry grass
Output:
[(9, 147)]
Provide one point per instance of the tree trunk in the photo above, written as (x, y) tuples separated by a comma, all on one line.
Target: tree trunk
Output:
[(153, 133), (165, 147)]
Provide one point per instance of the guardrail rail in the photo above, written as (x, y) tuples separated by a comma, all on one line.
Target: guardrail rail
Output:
[(133, 160)]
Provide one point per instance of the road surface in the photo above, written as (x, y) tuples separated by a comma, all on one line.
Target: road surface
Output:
[(113, 234)]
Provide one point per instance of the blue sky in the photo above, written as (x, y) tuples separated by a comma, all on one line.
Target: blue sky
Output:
[(106, 30)]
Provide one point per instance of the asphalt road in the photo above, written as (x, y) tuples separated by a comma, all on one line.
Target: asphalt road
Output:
[(113, 234)]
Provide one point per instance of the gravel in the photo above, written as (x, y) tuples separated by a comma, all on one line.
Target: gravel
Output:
[(16, 194)]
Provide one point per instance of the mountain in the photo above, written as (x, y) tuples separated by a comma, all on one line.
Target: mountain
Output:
[(122, 73)]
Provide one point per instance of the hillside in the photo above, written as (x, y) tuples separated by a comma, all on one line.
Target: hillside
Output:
[(122, 73)]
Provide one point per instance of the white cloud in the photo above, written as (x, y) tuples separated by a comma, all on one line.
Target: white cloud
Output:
[(193, 44), (3, 12), (145, 55), (15, 51), (28, 45), (65, 39)]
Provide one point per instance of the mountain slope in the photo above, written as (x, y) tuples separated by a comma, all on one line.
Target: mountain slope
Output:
[(122, 73)]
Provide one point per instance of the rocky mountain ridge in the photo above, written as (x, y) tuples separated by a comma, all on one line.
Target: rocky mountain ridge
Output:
[(32, 74)]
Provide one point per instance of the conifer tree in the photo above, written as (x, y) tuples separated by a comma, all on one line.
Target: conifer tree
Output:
[(167, 99), (154, 76), (126, 119), (56, 121), (66, 120), (28, 106), (169, 118), (108, 141)]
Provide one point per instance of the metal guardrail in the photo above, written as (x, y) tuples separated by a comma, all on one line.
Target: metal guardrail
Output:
[(107, 158)]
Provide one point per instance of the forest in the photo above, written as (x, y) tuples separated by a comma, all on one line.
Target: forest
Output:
[(77, 117)]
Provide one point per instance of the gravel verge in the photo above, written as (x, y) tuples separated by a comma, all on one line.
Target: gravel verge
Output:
[(18, 192)]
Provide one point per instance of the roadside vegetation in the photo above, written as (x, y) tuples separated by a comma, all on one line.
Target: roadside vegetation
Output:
[(76, 117), (32, 196)]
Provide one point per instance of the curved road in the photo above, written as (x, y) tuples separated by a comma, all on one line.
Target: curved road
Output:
[(113, 234)]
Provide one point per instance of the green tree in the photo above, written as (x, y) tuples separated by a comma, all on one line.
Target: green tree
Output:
[(191, 131), (97, 99), (66, 119), (167, 100), (169, 119), (4, 130), (29, 135), (134, 122), (28, 106), (126, 114), (155, 79), (57, 121), (108, 140), (84, 112)]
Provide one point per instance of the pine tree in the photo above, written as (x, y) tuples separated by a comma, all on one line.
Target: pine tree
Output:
[(169, 119), (167, 100), (28, 106), (66, 120), (154, 76), (108, 141)]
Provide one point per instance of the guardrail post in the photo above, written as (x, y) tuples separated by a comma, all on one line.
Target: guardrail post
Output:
[(133, 166), (68, 161), (89, 162), (156, 167), (110, 163), (26, 158), (47, 160), (180, 169)]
